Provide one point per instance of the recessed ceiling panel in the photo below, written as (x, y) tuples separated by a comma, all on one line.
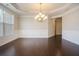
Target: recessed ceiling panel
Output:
[(35, 7)]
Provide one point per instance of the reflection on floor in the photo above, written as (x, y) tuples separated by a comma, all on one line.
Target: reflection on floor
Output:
[(54, 46)]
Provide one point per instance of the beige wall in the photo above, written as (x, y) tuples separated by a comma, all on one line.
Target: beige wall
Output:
[(31, 28), (16, 24), (51, 27), (70, 26)]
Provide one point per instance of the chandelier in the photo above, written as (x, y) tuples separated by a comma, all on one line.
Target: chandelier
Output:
[(40, 16)]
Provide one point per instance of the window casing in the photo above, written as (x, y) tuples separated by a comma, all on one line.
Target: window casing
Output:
[(6, 23)]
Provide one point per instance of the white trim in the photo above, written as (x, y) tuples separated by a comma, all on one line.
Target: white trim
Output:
[(50, 36), (5, 40), (71, 10), (71, 41), (57, 16), (35, 36), (32, 37), (27, 16), (58, 9), (10, 6), (61, 8)]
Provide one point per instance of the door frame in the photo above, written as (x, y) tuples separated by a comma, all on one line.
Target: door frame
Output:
[(56, 25)]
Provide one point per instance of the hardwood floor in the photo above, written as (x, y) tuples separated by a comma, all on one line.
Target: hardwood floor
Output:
[(70, 49), (54, 46)]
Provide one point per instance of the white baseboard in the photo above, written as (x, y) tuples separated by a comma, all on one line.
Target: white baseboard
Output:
[(5, 40), (33, 36), (50, 35)]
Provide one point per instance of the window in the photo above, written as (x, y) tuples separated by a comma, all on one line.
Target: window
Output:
[(6, 23), (1, 23)]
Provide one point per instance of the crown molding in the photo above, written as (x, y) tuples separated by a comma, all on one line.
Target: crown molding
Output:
[(71, 10), (60, 15), (61, 8), (19, 12), (11, 7), (65, 13)]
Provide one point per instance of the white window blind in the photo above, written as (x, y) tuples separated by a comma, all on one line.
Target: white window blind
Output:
[(1, 22), (6, 23)]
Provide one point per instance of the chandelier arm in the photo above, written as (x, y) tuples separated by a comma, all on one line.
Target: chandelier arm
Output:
[(40, 7), (40, 17)]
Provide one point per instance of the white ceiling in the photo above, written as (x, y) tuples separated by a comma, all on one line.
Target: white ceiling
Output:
[(33, 8)]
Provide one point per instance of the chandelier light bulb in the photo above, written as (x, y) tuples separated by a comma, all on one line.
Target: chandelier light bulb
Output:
[(42, 15), (45, 18), (37, 17)]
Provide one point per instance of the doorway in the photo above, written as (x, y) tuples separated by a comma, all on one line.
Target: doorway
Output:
[(58, 33), (58, 26)]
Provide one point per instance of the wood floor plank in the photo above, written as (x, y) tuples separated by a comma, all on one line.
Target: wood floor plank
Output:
[(54, 46)]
